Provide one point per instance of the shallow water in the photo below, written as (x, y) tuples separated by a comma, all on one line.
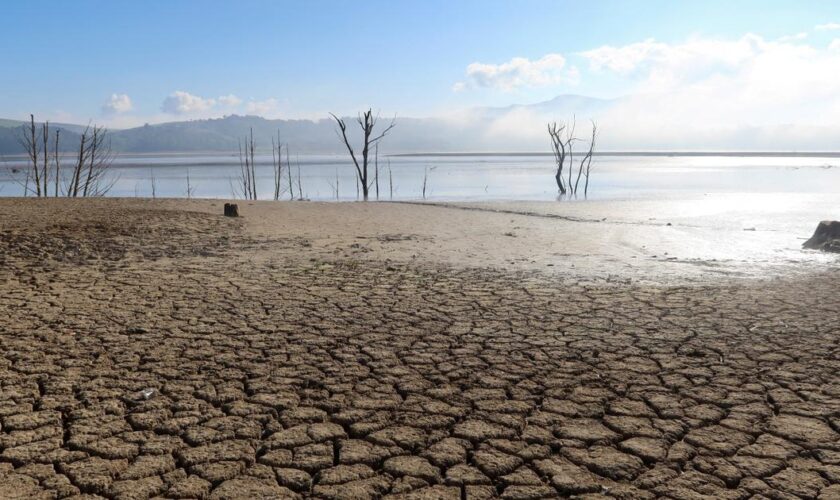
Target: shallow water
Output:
[(465, 178)]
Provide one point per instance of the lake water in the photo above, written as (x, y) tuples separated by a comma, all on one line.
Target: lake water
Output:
[(465, 178)]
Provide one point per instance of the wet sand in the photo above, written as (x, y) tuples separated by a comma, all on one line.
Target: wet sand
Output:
[(156, 348)]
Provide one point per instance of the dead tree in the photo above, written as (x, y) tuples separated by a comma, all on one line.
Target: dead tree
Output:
[(300, 185), (562, 146), (376, 170), (277, 164), (390, 181), (154, 182), (588, 161), (57, 162), (367, 121), (29, 141), (248, 172), (558, 147), (91, 166), (253, 167), (76, 178), (190, 189), (45, 135), (99, 159), (289, 169)]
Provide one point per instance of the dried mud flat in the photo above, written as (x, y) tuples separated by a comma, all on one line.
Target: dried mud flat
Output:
[(166, 353)]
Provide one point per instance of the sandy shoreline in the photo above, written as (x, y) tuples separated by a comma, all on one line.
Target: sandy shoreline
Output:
[(154, 348)]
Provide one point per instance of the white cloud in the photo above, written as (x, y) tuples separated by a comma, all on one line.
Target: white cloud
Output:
[(118, 103), (696, 58), (519, 72), (703, 91), (229, 100), (262, 107), (827, 27), (459, 86), (790, 38), (184, 103)]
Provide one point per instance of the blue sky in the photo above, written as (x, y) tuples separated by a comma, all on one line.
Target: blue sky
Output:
[(123, 62)]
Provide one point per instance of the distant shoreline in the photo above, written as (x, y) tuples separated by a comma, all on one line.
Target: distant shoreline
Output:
[(438, 154), (781, 154)]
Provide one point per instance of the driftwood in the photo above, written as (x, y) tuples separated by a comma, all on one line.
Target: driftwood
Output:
[(231, 210), (826, 237)]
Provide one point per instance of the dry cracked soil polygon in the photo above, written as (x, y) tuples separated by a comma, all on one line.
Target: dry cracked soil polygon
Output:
[(145, 354)]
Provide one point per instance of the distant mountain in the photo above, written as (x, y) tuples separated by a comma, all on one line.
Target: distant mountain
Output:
[(562, 106), (478, 129), (12, 130)]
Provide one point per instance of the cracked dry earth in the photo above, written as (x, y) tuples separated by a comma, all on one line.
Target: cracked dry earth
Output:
[(146, 353)]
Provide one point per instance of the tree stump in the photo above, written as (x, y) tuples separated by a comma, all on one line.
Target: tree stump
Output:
[(826, 237), (231, 210)]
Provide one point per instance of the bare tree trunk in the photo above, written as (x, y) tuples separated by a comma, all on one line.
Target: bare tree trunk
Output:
[(73, 191), (390, 180), (289, 168), (253, 169), (241, 169), (32, 142), (558, 147), (589, 160), (57, 163), (367, 122), (570, 138), (277, 163), (376, 170), (300, 186), (92, 159), (45, 132)]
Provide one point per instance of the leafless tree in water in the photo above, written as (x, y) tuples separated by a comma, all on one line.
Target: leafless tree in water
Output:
[(376, 170), (586, 163), (57, 176), (426, 180), (89, 176), (334, 187), (367, 121), (558, 146), (299, 183), (29, 142), (247, 170), (289, 170), (390, 180), (92, 163), (45, 173), (190, 188), (277, 164), (562, 137)]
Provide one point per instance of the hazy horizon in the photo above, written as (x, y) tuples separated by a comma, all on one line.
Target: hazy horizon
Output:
[(653, 75)]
